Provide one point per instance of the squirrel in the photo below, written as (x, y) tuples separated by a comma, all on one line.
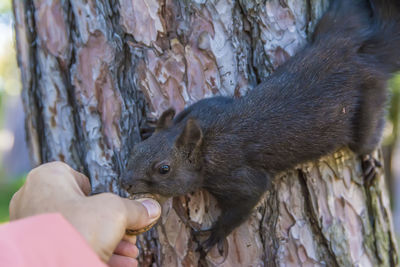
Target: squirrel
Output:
[(330, 94)]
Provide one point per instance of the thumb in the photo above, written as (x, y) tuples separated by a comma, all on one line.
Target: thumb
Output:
[(141, 212)]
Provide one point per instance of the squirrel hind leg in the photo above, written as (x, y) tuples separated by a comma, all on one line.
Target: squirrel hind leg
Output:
[(368, 126), (369, 136), (366, 143), (370, 118)]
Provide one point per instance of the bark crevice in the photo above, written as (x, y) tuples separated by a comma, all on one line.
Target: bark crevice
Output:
[(36, 109), (78, 149), (328, 256)]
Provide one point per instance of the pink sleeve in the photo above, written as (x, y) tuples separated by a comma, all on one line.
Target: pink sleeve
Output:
[(43, 241)]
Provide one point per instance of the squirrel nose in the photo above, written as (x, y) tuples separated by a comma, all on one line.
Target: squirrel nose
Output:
[(125, 179)]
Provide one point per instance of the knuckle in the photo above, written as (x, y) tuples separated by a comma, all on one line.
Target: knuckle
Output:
[(117, 206), (59, 165), (105, 254), (112, 198), (120, 217), (55, 166), (13, 205)]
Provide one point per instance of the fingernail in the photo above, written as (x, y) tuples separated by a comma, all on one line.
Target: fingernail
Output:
[(152, 207)]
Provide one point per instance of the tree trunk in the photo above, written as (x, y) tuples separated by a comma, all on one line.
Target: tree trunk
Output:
[(96, 73)]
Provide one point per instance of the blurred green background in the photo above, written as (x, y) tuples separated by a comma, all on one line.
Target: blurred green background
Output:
[(14, 159), (13, 153)]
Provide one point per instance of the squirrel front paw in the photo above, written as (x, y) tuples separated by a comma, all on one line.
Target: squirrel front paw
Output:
[(369, 166), (216, 237)]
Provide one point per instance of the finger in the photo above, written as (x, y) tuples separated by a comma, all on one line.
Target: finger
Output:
[(83, 182), (141, 212), (130, 238), (63, 168), (122, 261), (12, 210), (125, 248)]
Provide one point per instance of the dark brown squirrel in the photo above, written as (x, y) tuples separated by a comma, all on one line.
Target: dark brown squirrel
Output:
[(331, 94)]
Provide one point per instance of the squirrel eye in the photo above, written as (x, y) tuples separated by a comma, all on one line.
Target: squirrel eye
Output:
[(164, 169)]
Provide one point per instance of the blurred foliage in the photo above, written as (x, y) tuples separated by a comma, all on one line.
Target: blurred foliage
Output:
[(10, 83), (10, 86), (390, 140), (7, 190), (9, 73), (5, 6), (392, 131)]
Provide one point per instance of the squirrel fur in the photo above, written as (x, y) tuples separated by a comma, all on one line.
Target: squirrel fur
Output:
[(330, 94)]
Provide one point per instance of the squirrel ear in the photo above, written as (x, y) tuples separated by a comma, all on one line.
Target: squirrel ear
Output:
[(165, 119), (191, 137)]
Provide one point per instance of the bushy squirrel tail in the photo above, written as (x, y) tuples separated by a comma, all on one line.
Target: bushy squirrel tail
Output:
[(344, 19), (383, 42), (371, 26)]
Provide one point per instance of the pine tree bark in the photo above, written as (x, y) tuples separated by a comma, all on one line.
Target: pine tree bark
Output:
[(96, 73)]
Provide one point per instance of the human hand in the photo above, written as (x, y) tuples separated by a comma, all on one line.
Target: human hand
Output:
[(101, 219)]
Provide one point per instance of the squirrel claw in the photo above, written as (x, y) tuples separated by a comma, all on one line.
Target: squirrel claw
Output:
[(220, 246), (213, 240), (198, 233), (369, 165), (209, 243)]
